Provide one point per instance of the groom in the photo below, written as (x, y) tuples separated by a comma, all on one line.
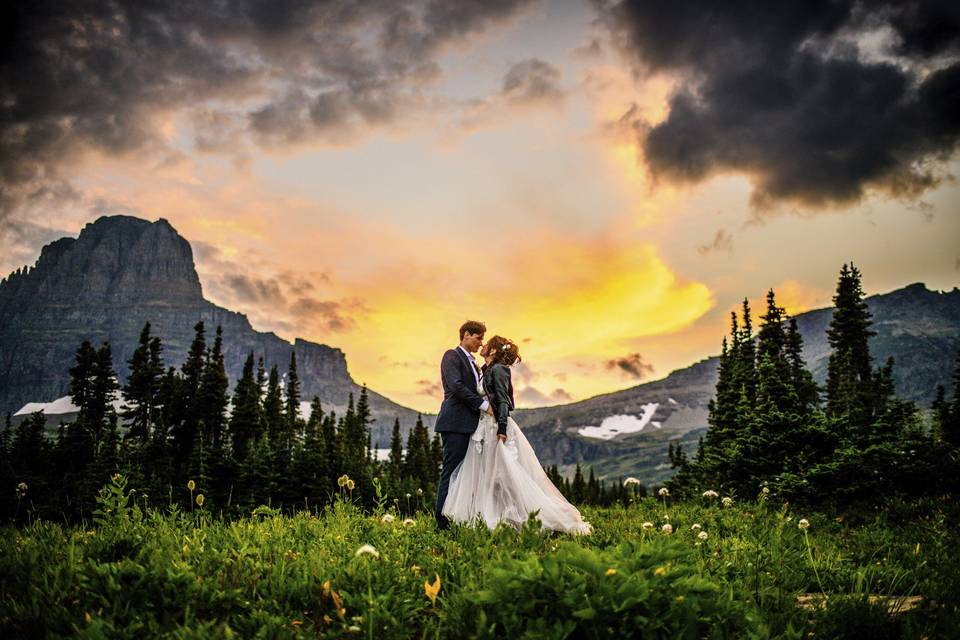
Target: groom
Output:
[(460, 411)]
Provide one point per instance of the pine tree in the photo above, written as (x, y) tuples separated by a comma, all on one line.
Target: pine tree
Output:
[(746, 374), (212, 399), (103, 391), (245, 418), (141, 391), (81, 378), (395, 460), (185, 417), (419, 468), (849, 371), (808, 395), (273, 407), (579, 487), (292, 399)]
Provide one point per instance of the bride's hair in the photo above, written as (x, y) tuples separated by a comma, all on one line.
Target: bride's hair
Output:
[(504, 350)]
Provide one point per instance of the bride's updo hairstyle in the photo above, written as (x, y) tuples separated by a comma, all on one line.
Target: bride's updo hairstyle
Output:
[(503, 350)]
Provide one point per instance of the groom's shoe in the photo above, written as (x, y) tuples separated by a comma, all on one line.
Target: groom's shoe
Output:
[(442, 523)]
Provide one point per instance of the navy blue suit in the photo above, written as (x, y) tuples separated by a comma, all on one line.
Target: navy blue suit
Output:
[(458, 418)]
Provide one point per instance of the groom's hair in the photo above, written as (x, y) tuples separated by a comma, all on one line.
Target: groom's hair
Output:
[(472, 327)]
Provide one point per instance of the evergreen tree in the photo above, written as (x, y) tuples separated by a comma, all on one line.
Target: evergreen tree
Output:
[(211, 402), (395, 460), (808, 395), (579, 487), (292, 399), (245, 418), (142, 389), (849, 376), (273, 407), (419, 469), (185, 418), (103, 391)]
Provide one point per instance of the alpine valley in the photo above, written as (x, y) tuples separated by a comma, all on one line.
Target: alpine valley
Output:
[(123, 271)]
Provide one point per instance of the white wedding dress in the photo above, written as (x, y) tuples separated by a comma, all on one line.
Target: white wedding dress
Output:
[(504, 481)]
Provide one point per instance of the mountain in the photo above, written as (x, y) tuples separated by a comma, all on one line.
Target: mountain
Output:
[(627, 432), (120, 272)]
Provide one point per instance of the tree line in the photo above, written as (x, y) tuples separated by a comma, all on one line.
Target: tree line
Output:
[(852, 440), (182, 426)]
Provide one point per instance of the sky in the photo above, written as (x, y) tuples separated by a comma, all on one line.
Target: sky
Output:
[(602, 182)]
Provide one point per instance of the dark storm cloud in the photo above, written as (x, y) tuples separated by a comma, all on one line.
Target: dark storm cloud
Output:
[(632, 365), (791, 95), (532, 80), (94, 74)]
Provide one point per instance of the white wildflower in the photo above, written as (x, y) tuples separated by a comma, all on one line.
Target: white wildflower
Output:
[(702, 535), (664, 492), (696, 527), (631, 481), (727, 501), (387, 518), (710, 493), (367, 549), (647, 526), (409, 522), (667, 528), (804, 523)]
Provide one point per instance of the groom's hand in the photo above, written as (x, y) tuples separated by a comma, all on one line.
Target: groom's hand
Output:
[(501, 437), (490, 410)]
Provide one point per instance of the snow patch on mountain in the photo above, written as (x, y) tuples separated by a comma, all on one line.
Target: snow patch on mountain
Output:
[(60, 406), (613, 426)]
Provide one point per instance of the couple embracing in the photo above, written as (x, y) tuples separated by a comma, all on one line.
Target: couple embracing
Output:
[(489, 470)]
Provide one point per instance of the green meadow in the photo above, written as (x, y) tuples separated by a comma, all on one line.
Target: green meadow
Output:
[(758, 569)]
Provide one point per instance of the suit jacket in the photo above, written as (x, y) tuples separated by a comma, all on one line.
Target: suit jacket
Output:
[(498, 384), (460, 409)]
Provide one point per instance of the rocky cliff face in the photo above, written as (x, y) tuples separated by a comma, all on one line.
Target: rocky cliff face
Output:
[(105, 284)]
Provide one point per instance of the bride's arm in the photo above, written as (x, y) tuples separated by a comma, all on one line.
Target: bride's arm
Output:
[(501, 397)]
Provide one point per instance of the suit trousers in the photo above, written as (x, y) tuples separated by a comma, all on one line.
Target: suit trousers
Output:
[(454, 450)]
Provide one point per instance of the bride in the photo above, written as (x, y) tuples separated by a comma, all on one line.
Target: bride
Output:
[(500, 478)]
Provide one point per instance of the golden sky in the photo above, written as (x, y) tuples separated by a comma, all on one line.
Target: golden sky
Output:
[(506, 183)]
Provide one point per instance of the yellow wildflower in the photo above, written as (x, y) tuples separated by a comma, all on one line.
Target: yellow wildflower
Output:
[(199, 499), (432, 590), (191, 485), (611, 572)]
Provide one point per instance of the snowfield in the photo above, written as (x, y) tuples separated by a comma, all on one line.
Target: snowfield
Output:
[(613, 426)]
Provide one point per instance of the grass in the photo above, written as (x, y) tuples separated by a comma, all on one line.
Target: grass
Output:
[(136, 573)]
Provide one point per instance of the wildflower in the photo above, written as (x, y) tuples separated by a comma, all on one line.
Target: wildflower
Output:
[(660, 571), (353, 628), (191, 485), (415, 568), (387, 518), (648, 525), (199, 499), (409, 522), (664, 492), (667, 528), (727, 501), (408, 496), (766, 491), (611, 572), (22, 487), (680, 599), (710, 493), (350, 485), (702, 535), (804, 523), (419, 492), (696, 527), (367, 549), (631, 481), (296, 623), (116, 477), (432, 590), (342, 480)]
